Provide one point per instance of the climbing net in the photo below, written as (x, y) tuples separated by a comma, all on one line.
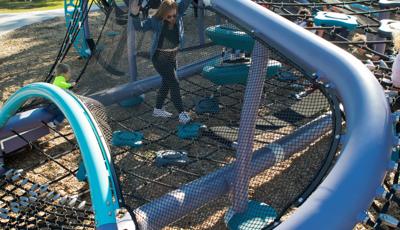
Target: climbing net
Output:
[(46, 193)]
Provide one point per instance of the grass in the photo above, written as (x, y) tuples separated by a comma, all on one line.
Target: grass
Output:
[(14, 6)]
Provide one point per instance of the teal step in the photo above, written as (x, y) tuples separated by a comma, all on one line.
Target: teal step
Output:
[(127, 138)]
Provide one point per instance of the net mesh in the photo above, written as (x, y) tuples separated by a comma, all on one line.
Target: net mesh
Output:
[(296, 121)]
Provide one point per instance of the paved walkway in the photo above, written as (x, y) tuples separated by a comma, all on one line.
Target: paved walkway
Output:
[(10, 22)]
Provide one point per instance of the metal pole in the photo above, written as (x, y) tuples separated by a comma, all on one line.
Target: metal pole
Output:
[(200, 22), (380, 47), (248, 118), (132, 46)]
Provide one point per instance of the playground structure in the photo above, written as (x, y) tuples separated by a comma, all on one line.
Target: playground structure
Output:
[(276, 101)]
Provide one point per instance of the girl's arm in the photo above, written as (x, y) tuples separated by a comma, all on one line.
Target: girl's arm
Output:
[(62, 84), (142, 25)]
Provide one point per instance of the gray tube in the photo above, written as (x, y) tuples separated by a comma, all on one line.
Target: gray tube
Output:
[(369, 136), (252, 98), (15, 142), (380, 47), (200, 22), (24, 121), (131, 46), (132, 89), (189, 197)]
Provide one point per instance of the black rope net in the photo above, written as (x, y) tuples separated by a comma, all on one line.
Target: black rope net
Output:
[(109, 66), (46, 193)]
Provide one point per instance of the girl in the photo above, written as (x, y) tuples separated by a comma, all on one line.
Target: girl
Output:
[(167, 27)]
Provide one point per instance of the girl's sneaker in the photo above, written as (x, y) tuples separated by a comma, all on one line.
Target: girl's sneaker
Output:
[(161, 113)]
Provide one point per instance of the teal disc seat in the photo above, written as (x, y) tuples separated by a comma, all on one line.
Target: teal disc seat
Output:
[(233, 73), (324, 18), (230, 37)]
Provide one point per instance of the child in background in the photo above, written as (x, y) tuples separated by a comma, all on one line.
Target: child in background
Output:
[(357, 51), (360, 52), (63, 76), (304, 12)]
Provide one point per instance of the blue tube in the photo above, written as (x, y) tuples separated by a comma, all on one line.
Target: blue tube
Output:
[(95, 154), (25, 121)]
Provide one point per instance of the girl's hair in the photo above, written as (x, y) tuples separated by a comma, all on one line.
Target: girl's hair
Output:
[(165, 7), (62, 69), (396, 41)]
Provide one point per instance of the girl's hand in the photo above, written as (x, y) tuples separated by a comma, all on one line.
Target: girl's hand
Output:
[(135, 8)]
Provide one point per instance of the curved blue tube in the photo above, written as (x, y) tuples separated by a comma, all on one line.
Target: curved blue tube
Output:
[(93, 146), (367, 143)]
